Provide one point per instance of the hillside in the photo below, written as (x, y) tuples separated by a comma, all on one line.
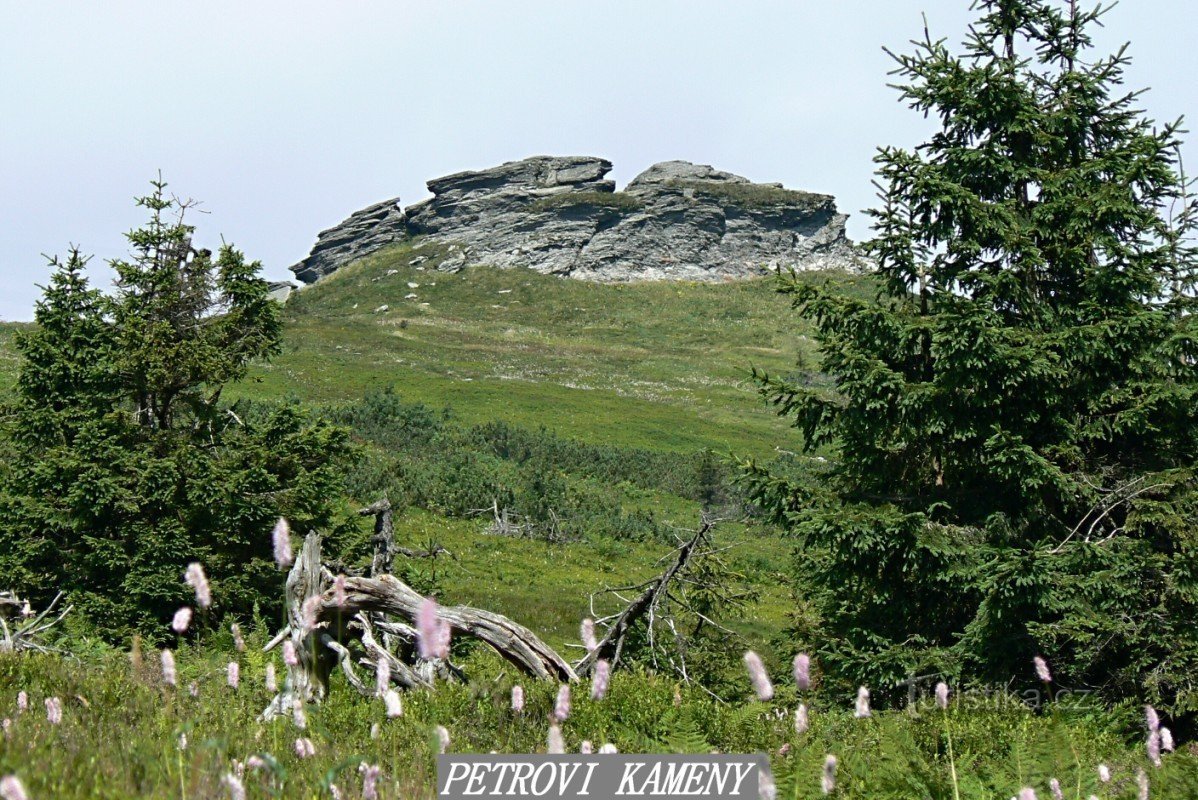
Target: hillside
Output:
[(631, 369), (661, 365)]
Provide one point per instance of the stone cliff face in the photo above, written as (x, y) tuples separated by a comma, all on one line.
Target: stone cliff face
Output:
[(560, 215)]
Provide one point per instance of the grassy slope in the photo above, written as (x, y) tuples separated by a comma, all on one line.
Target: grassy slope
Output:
[(660, 365), (655, 365), (8, 355)]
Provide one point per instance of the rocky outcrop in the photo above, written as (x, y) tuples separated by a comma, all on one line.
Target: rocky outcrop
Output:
[(561, 215), (364, 232)]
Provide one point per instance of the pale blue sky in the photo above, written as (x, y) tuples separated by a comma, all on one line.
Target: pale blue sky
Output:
[(283, 117)]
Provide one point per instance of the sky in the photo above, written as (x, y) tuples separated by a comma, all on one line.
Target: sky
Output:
[(282, 118)]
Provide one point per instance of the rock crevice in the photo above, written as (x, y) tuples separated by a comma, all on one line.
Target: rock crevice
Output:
[(561, 215)]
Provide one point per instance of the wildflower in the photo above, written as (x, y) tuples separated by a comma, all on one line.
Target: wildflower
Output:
[(588, 635), (784, 749), (444, 632), (290, 656), (862, 710), (586, 748), (233, 674), (427, 628), (442, 738), (382, 676), (767, 789), (561, 709), (298, 715), (282, 543), (802, 670), (370, 780), (1042, 669), (1142, 784), (392, 702), (340, 596), (335, 791), (182, 742), (1054, 786), (801, 723), (1153, 746), (255, 762), (1166, 739), (1104, 773), (272, 682), (599, 680), (310, 613), (182, 620), (238, 639), (1027, 792), (193, 689), (942, 695), (518, 699), (554, 742), (11, 788), (304, 748), (375, 730), (235, 786), (758, 676), (54, 710), (5, 726), (828, 783), (22, 701), (1151, 717), (608, 749), (196, 579)]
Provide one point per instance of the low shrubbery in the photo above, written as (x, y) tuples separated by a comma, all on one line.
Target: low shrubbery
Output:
[(420, 457)]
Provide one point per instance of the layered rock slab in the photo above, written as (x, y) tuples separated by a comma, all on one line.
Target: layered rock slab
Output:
[(561, 215)]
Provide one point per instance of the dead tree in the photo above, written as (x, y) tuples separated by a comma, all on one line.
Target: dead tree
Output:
[(322, 631), (372, 621), (21, 628), (657, 606), (308, 680)]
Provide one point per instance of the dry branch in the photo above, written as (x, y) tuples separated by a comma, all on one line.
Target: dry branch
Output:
[(645, 605)]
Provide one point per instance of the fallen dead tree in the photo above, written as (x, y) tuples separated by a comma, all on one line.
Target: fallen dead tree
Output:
[(332, 626), (368, 622), (21, 628)]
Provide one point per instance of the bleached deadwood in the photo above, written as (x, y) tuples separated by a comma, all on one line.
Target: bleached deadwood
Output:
[(401, 672), (384, 536), (346, 659), (520, 646), (21, 628), (308, 680), (367, 603), (643, 606)]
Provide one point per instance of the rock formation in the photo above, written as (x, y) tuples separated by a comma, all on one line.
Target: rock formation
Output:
[(560, 215)]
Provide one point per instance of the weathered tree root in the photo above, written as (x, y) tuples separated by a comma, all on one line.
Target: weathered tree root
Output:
[(319, 627)]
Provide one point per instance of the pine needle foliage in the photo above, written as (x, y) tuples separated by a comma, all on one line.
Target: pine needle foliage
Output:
[(1014, 416), (127, 465)]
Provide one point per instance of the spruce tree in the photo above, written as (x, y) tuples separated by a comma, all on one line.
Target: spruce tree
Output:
[(1013, 419), (128, 463)]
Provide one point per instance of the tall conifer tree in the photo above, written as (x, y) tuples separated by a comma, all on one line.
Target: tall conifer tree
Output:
[(1014, 418), (128, 464)]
